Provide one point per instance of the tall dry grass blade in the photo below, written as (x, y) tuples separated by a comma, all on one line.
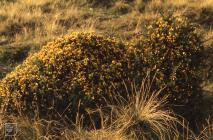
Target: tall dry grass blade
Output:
[(144, 113)]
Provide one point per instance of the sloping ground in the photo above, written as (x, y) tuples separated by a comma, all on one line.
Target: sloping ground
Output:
[(30, 24)]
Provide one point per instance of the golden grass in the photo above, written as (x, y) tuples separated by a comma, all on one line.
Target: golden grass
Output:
[(55, 18), (100, 134), (28, 129), (190, 3), (32, 22), (143, 107), (140, 116), (144, 113)]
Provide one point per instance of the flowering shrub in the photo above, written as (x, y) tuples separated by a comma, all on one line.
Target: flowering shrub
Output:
[(67, 75), (172, 50)]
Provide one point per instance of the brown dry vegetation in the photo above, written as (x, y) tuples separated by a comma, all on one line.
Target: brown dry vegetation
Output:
[(26, 25), (30, 24)]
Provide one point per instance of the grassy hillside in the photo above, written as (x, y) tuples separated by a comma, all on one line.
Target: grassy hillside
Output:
[(30, 24), (27, 25)]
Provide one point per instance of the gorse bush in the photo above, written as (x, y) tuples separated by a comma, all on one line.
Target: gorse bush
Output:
[(172, 50), (78, 72), (68, 75)]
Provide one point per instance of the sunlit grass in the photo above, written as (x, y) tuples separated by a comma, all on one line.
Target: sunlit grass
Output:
[(145, 114)]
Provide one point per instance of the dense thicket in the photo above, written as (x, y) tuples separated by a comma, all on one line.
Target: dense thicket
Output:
[(68, 75), (172, 51)]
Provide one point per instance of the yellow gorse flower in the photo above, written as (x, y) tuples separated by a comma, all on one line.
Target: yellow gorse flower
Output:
[(75, 68)]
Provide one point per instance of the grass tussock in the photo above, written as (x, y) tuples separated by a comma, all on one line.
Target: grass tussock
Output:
[(144, 113), (141, 116)]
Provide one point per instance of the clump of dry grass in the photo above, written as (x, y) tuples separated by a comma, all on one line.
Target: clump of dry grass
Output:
[(141, 116), (35, 128), (144, 113), (95, 135), (28, 128), (104, 133)]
